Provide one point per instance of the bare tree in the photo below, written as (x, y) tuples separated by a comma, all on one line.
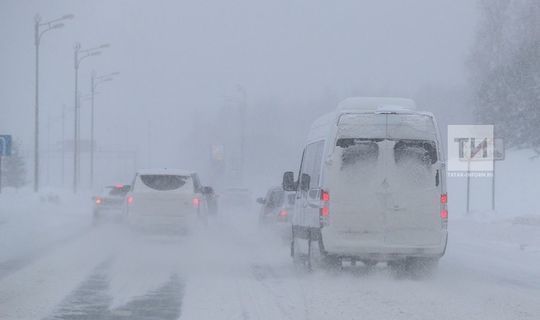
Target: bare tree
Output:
[(505, 70)]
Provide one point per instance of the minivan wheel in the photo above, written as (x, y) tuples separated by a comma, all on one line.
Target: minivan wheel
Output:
[(370, 263), (422, 266), (398, 267), (331, 261), (295, 253), (414, 267)]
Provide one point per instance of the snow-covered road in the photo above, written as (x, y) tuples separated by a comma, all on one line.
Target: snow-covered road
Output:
[(233, 270)]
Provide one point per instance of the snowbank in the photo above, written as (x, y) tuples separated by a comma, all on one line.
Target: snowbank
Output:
[(517, 184), (31, 222)]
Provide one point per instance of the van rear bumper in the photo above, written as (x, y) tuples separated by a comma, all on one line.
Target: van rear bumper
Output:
[(350, 246)]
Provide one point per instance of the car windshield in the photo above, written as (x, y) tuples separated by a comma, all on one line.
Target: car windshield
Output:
[(276, 199), (290, 199)]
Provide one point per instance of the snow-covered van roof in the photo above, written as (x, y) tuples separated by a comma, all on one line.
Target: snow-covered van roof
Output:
[(374, 103), (158, 171), (322, 125)]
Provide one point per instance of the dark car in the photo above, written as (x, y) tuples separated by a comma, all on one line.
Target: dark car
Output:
[(211, 199), (110, 201), (276, 206)]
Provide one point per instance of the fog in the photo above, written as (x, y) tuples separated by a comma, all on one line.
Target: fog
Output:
[(228, 90), (180, 61)]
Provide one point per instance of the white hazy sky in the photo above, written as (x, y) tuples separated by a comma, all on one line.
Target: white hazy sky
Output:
[(178, 56)]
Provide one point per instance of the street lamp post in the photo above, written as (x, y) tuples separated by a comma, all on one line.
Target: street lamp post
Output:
[(63, 142), (95, 81), (41, 28), (243, 109), (79, 56)]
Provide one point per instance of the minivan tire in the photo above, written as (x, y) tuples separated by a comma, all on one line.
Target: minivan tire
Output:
[(415, 267)]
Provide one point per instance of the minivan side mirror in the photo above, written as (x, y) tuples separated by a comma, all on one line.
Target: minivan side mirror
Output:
[(304, 182), (288, 181)]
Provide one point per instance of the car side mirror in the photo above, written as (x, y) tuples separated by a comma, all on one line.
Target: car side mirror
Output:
[(305, 182), (288, 181), (261, 200)]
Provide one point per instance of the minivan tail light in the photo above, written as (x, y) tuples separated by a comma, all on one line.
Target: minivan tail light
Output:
[(98, 200), (444, 214), (324, 211), (444, 210), (325, 196), (444, 198), (196, 203), (130, 199), (283, 213)]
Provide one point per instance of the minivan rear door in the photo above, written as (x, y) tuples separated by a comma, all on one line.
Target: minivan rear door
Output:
[(383, 179), (355, 177), (412, 207)]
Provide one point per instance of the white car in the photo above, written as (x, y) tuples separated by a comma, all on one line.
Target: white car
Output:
[(372, 186), (166, 201)]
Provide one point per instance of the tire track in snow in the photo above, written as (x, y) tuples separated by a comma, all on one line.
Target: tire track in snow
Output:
[(34, 290), (92, 300), (13, 265)]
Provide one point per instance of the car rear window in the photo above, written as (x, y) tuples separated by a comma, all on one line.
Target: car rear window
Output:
[(276, 199), (164, 182), (118, 191)]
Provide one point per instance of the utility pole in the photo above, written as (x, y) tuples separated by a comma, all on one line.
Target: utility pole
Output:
[(93, 89), (94, 82), (76, 115), (63, 143), (48, 174), (77, 62), (37, 21), (243, 109), (38, 33), (468, 185)]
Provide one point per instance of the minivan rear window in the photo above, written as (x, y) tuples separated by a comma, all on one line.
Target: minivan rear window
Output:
[(421, 151), (164, 182), (387, 126), (358, 150)]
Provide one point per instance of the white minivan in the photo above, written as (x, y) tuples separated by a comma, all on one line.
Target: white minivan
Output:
[(371, 186), (166, 201)]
